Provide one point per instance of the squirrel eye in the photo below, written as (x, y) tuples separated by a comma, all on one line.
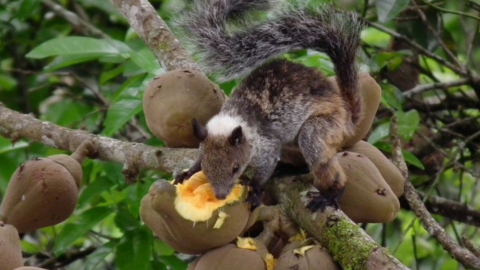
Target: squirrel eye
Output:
[(235, 168)]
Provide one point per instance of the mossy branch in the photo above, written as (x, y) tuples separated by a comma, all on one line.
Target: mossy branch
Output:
[(348, 244)]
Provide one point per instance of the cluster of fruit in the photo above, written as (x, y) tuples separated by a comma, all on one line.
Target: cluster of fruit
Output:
[(191, 220), (41, 193)]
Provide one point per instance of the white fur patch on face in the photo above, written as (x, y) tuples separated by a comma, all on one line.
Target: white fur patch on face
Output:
[(223, 125)]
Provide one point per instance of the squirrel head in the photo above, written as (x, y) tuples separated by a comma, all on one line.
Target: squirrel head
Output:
[(225, 156)]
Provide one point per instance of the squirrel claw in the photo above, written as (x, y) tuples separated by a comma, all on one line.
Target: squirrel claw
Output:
[(254, 197), (321, 201), (182, 177)]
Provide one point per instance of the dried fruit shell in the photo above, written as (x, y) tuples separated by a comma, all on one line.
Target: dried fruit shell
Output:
[(367, 197), (184, 224), (173, 99), (312, 257), (390, 172), (41, 193), (10, 250), (247, 254)]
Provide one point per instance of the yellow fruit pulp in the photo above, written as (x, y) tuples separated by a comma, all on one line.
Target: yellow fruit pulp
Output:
[(196, 201)]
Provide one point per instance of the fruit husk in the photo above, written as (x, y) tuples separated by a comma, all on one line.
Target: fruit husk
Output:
[(367, 197), (188, 236), (387, 169), (247, 254), (41, 193), (310, 257), (10, 249), (371, 95), (173, 99)]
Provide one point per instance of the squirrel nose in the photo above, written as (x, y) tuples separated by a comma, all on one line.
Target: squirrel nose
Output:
[(221, 195)]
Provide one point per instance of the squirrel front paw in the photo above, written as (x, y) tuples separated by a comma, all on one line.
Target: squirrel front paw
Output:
[(324, 199), (184, 175)]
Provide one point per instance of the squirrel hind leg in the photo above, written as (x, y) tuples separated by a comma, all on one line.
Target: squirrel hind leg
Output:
[(319, 138)]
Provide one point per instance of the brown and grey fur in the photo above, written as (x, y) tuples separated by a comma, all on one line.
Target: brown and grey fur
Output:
[(280, 102)]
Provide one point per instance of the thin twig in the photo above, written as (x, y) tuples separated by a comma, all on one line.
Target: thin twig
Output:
[(451, 11), (418, 47), (460, 254), (438, 38), (425, 87), (76, 21)]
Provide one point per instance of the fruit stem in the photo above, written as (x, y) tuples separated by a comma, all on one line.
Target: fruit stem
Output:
[(83, 150)]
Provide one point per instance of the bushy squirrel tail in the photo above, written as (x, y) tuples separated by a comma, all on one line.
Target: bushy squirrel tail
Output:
[(232, 54)]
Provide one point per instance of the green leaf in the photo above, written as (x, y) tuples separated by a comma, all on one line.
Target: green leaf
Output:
[(134, 251), (95, 188), (146, 60), (162, 249), (110, 74), (75, 46), (173, 262), (389, 9), (120, 113), (99, 255), (70, 60), (27, 7), (408, 123), (379, 133), (392, 96), (124, 219), (80, 227), (412, 159), (7, 82), (7, 146)]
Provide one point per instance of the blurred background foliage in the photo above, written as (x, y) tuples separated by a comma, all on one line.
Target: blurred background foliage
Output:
[(72, 76)]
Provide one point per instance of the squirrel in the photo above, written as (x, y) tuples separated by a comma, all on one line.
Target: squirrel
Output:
[(278, 102)]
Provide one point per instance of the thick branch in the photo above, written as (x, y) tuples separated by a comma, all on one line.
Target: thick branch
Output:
[(143, 18), (346, 241), (15, 126)]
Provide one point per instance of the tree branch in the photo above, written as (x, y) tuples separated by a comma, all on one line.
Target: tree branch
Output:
[(143, 18), (76, 21), (15, 126), (425, 87), (462, 255), (351, 247)]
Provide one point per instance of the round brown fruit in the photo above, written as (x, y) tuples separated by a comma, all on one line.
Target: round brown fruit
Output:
[(367, 197), (10, 250), (173, 99), (371, 95), (311, 257), (41, 193), (190, 219), (246, 254), (390, 172)]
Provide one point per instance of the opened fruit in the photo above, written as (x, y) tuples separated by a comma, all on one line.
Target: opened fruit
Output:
[(190, 219), (309, 257)]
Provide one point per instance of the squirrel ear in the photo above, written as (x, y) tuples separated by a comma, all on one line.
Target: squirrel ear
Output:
[(236, 137), (199, 131)]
